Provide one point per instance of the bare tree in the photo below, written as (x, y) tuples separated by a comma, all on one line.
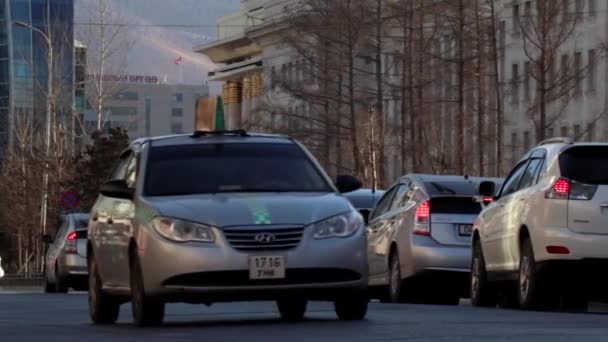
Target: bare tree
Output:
[(107, 42)]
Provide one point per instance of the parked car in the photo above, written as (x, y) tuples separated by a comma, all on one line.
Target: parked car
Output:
[(419, 239), (224, 216), (364, 200), (543, 242), (66, 256)]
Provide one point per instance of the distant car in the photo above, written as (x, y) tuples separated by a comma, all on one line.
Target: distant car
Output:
[(364, 200), (224, 216), (543, 243), (419, 239), (66, 257)]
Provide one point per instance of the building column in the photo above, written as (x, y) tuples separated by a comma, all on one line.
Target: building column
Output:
[(246, 107), (232, 104)]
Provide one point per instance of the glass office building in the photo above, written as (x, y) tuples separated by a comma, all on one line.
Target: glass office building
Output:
[(23, 63)]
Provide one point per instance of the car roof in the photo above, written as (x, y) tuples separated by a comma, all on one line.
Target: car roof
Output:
[(213, 137)]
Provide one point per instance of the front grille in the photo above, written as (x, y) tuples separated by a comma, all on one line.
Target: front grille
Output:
[(241, 278), (275, 238)]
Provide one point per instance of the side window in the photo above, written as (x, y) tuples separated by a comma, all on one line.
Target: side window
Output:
[(121, 170), (512, 183), (531, 174), (401, 197), (384, 203)]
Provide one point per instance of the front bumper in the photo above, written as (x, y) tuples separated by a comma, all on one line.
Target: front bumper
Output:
[(198, 272), (428, 256), (581, 246)]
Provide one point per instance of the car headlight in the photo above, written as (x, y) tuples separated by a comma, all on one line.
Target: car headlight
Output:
[(183, 231), (338, 226)]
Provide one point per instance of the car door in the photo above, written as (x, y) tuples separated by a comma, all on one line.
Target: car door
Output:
[(521, 204), (377, 220), (387, 231), (496, 220), (105, 236)]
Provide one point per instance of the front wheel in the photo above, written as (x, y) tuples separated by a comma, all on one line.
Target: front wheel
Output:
[(103, 309), (352, 309), (147, 311), (292, 310), (483, 293)]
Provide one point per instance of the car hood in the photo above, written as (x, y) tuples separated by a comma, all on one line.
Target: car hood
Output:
[(225, 210)]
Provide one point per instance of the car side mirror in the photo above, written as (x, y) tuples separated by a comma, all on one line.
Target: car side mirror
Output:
[(487, 189), (117, 189), (47, 239), (348, 183)]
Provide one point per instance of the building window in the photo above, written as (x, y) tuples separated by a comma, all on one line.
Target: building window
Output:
[(176, 128), (550, 132), (592, 8), (565, 72), (580, 8), (564, 131), (148, 116), (516, 20), (528, 14), (527, 140), (177, 112), (577, 131), (515, 83), (565, 12), (527, 81), (122, 111), (592, 70), (514, 147), (178, 97), (578, 73), (126, 96), (503, 36)]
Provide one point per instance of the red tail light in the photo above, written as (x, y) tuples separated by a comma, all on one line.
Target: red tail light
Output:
[(422, 225), (488, 200), (70, 244), (560, 190)]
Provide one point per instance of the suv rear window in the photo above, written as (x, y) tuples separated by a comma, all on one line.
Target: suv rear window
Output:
[(446, 188), (455, 205), (231, 167), (585, 164)]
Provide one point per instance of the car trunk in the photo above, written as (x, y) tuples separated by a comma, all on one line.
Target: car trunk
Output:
[(81, 242), (452, 219), (587, 169)]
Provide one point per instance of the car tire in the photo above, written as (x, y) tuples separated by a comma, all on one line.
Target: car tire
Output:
[(533, 290), (61, 284), (147, 311), (483, 292), (352, 309), (103, 309), (397, 292), (48, 286), (292, 310)]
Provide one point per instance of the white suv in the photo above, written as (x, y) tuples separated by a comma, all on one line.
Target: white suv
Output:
[(543, 242)]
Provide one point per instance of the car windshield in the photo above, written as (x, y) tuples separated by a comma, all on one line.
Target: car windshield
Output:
[(585, 164), (231, 167)]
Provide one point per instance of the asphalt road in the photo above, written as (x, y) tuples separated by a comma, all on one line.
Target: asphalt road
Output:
[(37, 317)]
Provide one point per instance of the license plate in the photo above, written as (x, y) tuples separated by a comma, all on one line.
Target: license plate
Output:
[(465, 229), (266, 267)]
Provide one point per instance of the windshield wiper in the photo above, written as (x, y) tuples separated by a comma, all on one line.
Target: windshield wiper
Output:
[(443, 189)]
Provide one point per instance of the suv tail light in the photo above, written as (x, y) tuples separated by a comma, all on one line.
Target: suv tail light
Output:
[(70, 244), (566, 189), (422, 224)]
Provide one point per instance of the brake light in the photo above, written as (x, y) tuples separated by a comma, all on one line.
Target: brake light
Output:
[(70, 244), (422, 226), (567, 189), (488, 200)]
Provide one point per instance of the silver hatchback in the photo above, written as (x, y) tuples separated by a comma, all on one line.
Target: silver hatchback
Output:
[(224, 216), (420, 239)]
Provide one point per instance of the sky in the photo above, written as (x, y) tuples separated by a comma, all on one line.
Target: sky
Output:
[(156, 49)]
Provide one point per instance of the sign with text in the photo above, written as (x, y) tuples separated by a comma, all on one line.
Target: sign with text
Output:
[(143, 79)]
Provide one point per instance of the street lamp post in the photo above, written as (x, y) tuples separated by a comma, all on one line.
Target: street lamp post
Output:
[(49, 108)]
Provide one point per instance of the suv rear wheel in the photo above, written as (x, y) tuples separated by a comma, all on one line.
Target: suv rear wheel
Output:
[(292, 310), (483, 292), (103, 309), (533, 291), (147, 311)]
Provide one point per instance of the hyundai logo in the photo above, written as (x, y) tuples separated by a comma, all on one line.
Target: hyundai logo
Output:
[(265, 238)]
